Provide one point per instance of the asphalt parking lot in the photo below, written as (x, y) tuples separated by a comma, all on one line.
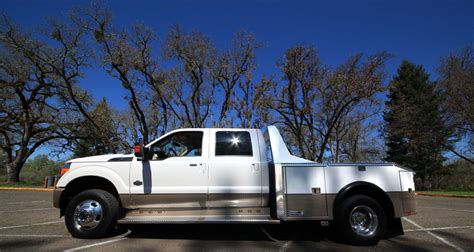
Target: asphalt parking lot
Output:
[(28, 221)]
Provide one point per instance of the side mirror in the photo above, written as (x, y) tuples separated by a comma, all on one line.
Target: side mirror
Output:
[(138, 150)]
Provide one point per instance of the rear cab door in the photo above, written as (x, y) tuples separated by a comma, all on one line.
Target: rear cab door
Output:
[(235, 169)]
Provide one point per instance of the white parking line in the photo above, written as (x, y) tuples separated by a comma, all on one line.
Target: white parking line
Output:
[(268, 235), (33, 235), (285, 247), (434, 235), (30, 225), (24, 202), (27, 210), (439, 228), (450, 209), (97, 244)]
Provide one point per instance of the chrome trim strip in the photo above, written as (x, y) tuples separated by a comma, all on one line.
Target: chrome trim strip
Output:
[(198, 219), (177, 200), (161, 212), (201, 200), (280, 192), (235, 200)]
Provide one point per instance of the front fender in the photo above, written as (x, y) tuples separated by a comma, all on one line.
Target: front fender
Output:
[(120, 183)]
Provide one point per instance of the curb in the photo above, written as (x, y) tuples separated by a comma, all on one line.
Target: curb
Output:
[(26, 189), (444, 195)]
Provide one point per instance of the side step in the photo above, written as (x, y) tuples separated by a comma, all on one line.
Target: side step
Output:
[(250, 219)]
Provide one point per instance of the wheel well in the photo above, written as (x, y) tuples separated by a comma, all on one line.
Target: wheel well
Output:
[(85, 183), (367, 189)]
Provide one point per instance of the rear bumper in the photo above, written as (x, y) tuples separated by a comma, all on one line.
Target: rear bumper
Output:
[(57, 197), (409, 203), (404, 203)]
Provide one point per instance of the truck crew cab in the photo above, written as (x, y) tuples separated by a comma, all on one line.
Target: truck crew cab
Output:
[(213, 175)]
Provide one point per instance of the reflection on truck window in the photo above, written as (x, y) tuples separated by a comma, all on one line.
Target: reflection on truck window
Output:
[(180, 144), (266, 138), (233, 143)]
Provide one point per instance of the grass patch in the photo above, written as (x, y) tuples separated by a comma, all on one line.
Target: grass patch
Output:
[(29, 185), (453, 193)]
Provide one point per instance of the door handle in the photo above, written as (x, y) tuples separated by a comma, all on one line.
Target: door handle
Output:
[(193, 165), (316, 190), (255, 169), (137, 182)]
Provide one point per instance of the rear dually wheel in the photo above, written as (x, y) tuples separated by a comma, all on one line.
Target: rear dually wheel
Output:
[(361, 220)]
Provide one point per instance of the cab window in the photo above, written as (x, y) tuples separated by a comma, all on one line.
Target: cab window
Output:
[(233, 143), (180, 144)]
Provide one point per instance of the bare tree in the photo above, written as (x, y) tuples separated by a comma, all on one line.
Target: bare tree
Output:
[(349, 85), (193, 85), (354, 132), (358, 139), (118, 54), (41, 77), (456, 85), (68, 61), (315, 100), (234, 68), (295, 101), (31, 112), (197, 88), (205, 80)]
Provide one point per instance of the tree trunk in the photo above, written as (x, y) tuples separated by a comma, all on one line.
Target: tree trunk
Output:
[(13, 173)]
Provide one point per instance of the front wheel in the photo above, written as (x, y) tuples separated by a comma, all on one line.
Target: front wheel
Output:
[(361, 220), (91, 214)]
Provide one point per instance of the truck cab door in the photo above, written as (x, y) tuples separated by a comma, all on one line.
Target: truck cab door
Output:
[(175, 173), (235, 169)]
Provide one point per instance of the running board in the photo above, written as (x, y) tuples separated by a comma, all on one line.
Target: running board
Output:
[(249, 219)]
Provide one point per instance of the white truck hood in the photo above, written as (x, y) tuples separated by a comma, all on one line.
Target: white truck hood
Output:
[(99, 158)]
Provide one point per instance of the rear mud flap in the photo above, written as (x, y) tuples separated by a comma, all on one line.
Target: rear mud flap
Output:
[(394, 228)]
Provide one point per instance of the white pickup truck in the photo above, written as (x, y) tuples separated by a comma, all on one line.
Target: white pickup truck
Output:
[(216, 175)]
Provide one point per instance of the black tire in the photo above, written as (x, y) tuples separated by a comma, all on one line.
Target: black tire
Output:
[(101, 224), (365, 211)]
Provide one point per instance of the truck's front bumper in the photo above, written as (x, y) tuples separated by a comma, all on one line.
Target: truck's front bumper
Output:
[(57, 197)]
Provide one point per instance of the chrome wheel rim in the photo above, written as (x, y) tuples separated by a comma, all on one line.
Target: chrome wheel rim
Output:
[(364, 221), (87, 215)]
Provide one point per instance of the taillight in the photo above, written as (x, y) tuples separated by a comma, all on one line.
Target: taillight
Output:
[(64, 168)]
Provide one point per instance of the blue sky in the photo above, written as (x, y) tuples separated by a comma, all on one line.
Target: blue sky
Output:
[(421, 31)]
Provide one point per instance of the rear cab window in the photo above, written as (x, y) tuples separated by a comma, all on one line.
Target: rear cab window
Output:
[(233, 143)]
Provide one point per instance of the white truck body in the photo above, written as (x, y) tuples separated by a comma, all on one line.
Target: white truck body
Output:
[(265, 183)]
